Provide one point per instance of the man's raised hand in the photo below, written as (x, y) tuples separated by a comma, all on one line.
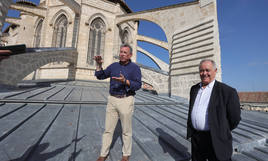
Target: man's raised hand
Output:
[(120, 79)]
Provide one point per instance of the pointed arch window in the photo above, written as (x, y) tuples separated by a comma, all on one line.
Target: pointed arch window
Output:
[(96, 40), (60, 32), (37, 34), (125, 37)]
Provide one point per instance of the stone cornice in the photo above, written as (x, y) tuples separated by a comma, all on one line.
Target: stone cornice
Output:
[(72, 5), (37, 11), (163, 8), (13, 20)]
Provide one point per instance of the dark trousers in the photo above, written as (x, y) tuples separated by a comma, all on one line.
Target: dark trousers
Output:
[(202, 148)]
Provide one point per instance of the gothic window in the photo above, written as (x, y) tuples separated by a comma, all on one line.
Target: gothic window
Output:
[(125, 37), (96, 40), (60, 32), (37, 34)]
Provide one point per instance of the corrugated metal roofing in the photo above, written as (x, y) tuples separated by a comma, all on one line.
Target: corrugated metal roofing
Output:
[(65, 120)]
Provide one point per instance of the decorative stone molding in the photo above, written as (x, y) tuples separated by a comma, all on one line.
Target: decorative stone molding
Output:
[(37, 11), (94, 16), (60, 12), (73, 5), (189, 46)]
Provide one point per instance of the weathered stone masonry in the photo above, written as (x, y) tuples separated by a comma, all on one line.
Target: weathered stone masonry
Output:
[(191, 29)]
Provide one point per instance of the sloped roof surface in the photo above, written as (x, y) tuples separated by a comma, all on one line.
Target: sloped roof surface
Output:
[(65, 121)]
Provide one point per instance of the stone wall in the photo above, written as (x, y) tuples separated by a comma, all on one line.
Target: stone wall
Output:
[(192, 35), (107, 12), (78, 28), (180, 85), (191, 44), (155, 78), (17, 67)]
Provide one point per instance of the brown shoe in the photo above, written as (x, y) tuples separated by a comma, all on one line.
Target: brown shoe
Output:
[(101, 158), (125, 158)]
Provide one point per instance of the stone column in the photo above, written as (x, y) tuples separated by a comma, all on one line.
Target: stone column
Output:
[(4, 5)]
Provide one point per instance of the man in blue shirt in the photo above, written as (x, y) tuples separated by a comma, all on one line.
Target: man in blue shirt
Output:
[(125, 79)]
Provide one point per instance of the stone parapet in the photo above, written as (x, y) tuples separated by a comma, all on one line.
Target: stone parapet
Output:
[(158, 79), (17, 67), (262, 107)]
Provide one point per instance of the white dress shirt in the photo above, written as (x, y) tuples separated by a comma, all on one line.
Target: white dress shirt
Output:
[(199, 115)]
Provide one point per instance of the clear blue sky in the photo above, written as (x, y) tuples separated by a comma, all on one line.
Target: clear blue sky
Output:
[(243, 26)]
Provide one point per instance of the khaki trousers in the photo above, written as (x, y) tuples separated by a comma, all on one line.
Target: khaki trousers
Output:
[(118, 108)]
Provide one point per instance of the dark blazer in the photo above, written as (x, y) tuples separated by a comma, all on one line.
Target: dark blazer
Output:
[(223, 116)]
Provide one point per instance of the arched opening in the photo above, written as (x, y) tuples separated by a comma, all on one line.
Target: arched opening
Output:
[(37, 34), (37, 40), (96, 40), (60, 32), (150, 29), (125, 36)]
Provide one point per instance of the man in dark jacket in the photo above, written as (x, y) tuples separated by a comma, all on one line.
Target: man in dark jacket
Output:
[(214, 111)]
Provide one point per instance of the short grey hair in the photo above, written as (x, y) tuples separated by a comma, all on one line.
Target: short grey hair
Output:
[(126, 45), (209, 60)]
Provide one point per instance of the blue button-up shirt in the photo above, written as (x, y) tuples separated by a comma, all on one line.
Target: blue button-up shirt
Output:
[(131, 72)]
